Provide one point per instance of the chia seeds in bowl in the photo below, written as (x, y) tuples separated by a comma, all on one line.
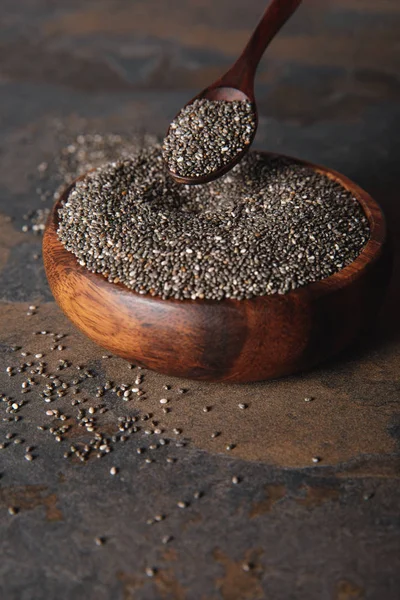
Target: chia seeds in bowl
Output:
[(271, 225)]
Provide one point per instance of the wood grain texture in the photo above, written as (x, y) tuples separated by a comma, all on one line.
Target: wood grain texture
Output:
[(229, 340)]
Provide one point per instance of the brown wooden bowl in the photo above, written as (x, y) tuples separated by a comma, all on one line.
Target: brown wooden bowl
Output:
[(228, 340)]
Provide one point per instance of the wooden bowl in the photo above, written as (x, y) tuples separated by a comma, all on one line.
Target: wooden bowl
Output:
[(229, 340)]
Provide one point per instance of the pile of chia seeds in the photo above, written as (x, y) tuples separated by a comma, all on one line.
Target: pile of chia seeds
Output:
[(77, 155), (269, 226), (206, 135)]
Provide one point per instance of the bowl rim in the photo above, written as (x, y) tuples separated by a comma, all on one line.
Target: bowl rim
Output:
[(367, 257)]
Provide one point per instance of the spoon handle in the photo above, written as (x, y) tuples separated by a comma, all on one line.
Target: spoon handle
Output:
[(241, 74)]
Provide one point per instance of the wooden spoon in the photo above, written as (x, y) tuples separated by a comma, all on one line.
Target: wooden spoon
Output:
[(238, 82)]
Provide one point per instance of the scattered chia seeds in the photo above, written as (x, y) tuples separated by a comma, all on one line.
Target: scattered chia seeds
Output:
[(208, 134), (79, 154), (269, 226), (99, 541), (37, 221)]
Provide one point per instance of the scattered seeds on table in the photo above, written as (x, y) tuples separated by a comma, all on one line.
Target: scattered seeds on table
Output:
[(99, 541), (166, 539)]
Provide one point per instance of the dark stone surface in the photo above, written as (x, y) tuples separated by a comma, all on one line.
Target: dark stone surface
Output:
[(328, 91)]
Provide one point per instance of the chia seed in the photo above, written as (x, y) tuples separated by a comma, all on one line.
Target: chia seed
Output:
[(269, 226), (207, 135)]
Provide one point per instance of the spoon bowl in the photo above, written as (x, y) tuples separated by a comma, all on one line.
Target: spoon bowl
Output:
[(227, 94)]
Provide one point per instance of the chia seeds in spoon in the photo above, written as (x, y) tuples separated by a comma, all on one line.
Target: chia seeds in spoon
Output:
[(207, 135), (269, 226)]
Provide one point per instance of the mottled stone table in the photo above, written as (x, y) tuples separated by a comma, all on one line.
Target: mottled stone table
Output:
[(291, 528)]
